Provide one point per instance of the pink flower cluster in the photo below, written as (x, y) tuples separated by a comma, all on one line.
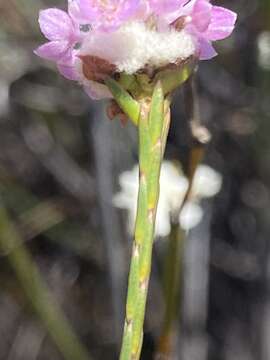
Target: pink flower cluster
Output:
[(67, 31)]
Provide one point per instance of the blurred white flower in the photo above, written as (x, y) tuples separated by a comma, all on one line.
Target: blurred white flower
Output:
[(207, 182), (173, 187), (263, 43), (190, 216)]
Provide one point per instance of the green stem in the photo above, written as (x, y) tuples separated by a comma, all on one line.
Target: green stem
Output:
[(28, 274), (126, 102), (151, 113), (153, 130)]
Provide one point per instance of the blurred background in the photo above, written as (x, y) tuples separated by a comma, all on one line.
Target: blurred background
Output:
[(60, 161)]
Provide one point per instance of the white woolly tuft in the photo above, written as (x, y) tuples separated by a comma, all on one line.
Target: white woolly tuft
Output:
[(134, 45)]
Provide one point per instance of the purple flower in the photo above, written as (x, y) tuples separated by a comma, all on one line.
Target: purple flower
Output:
[(74, 11), (108, 15), (207, 23), (161, 7), (129, 34), (63, 34)]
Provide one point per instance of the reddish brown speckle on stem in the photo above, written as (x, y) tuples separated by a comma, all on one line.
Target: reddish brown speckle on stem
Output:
[(151, 213), (144, 285), (136, 250), (129, 325)]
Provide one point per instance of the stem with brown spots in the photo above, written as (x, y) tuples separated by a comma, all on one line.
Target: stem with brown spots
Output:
[(143, 100), (153, 129)]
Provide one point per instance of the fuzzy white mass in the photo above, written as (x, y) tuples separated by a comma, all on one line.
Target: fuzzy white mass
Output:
[(134, 45)]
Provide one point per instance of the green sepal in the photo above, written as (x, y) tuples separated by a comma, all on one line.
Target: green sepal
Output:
[(130, 106), (129, 82), (145, 84), (171, 79)]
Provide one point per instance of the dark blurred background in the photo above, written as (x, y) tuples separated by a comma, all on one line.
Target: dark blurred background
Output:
[(60, 158)]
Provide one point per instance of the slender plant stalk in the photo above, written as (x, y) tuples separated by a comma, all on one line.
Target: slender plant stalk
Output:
[(28, 274), (153, 125), (147, 104)]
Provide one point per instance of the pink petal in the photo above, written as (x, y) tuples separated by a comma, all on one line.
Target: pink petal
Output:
[(55, 24), (88, 10), (108, 15), (143, 11), (97, 91), (66, 65), (73, 9), (75, 13), (206, 50), (166, 6), (68, 71), (222, 24), (201, 15), (188, 8), (53, 50), (68, 57), (170, 17)]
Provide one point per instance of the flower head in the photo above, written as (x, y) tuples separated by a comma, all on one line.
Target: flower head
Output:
[(129, 36)]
